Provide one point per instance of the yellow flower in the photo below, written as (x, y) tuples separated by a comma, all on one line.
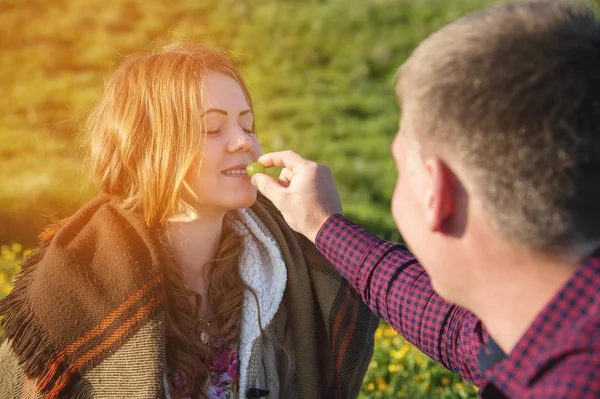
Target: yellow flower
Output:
[(400, 353), (17, 248), (382, 385), (5, 289), (392, 368), (416, 378), (6, 253), (389, 332), (371, 386), (5, 286), (445, 381)]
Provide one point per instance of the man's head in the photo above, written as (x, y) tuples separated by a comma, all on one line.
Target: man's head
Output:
[(501, 127)]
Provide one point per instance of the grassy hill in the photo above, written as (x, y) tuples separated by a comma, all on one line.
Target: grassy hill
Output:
[(321, 73)]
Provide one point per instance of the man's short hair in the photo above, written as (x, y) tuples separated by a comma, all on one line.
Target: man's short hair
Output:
[(513, 94)]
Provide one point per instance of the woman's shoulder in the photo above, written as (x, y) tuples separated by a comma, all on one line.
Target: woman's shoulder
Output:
[(65, 230), (263, 203), (97, 240), (99, 224)]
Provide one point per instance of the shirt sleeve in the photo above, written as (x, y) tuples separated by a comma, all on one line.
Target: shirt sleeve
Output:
[(396, 287)]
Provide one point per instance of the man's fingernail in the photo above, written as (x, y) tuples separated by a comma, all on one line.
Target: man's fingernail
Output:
[(254, 180)]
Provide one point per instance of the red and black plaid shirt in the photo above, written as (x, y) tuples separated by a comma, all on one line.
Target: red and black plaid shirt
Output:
[(558, 356)]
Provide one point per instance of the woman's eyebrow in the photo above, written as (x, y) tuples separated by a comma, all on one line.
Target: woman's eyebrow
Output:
[(223, 112)]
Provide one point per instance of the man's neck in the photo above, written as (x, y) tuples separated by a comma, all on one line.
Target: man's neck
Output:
[(517, 291)]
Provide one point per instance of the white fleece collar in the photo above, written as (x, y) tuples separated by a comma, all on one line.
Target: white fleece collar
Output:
[(262, 268)]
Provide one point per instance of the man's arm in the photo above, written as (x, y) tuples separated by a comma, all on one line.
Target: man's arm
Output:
[(386, 275), (395, 286)]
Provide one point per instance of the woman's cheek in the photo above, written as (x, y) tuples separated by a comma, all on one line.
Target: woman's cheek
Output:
[(257, 151)]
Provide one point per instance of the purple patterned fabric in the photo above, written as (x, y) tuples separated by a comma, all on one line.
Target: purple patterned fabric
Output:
[(224, 376)]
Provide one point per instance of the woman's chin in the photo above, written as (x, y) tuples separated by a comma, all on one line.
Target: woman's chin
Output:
[(245, 201)]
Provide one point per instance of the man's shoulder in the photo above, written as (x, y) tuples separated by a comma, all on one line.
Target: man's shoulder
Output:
[(574, 375), (563, 358), (574, 340), (569, 368)]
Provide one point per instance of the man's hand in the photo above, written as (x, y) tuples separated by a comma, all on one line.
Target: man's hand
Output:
[(305, 192)]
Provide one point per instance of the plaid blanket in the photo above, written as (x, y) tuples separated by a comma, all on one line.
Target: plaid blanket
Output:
[(85, 318)]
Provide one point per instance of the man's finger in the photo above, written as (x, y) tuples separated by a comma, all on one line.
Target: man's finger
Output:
[(287, 159), (285, 177), (268, 186)]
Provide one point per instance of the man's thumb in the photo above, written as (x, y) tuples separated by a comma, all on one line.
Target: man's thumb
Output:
[(268, 186)]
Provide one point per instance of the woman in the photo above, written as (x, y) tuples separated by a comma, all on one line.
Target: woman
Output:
[(176, 281)]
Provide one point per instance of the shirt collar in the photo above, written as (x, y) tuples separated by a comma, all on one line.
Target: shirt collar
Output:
[(489, 355)]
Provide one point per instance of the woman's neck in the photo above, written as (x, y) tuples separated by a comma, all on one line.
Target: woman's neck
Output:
[(194, 242)]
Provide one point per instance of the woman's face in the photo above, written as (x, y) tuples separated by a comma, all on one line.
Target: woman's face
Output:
[(219, 180)]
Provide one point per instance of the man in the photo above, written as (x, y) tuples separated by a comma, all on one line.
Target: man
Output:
[(497, 194)]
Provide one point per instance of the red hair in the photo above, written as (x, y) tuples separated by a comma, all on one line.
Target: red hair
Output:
[(145, 133)]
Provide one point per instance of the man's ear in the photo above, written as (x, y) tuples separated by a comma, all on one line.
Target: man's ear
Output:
[(438, 193)]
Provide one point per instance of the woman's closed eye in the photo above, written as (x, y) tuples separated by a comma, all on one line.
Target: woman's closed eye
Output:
[(217, 131), (217, 119)]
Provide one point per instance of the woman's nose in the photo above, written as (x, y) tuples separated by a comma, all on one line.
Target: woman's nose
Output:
[(240, 140)]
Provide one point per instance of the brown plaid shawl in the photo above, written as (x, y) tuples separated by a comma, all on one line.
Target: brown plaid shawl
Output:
[(85, 317)]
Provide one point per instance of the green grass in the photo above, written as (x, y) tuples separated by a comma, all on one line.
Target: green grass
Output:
[(321, 73)]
